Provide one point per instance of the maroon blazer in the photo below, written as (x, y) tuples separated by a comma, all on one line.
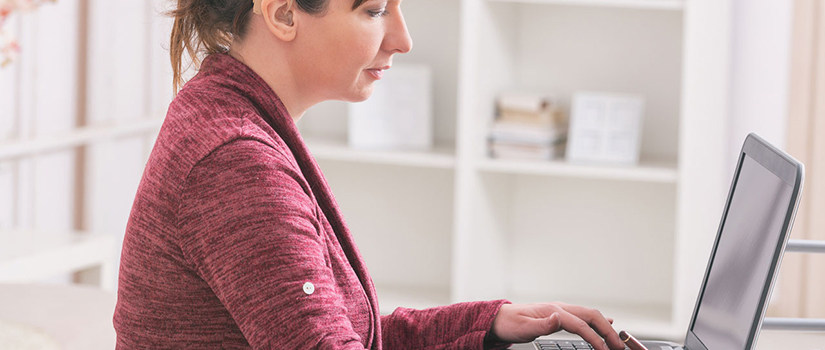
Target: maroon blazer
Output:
[(235, 239)]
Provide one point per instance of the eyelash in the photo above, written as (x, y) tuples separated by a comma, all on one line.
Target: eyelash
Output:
[(378, 13)]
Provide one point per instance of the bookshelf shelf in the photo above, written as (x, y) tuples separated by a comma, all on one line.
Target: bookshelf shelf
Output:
[(27, 256), (440, 157), (12, 149), (635, 4), (646, 171)]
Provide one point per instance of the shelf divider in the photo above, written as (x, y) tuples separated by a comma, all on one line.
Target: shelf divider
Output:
[(440, 157), (647, 171)]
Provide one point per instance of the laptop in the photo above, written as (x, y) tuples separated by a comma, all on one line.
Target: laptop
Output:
[(751, 239)]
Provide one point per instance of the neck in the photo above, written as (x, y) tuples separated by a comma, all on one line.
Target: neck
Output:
[(277, 76)]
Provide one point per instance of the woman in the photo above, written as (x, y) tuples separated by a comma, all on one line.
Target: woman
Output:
[(235, 239)]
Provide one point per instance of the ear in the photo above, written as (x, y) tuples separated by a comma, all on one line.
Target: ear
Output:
[(279, 18)]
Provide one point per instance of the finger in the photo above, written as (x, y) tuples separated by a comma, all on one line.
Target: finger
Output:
[(553, 323), (600, 324), (610, 320), (605, 329), (536, 327), (576, 325)]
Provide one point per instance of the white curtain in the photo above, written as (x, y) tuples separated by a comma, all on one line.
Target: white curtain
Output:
[(801, 287)]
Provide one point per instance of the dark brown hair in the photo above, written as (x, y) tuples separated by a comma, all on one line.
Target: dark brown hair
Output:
[(204, 27)]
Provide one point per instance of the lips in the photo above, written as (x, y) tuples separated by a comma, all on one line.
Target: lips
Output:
[(377, 73)]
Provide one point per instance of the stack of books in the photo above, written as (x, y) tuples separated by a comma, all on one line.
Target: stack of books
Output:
[(527, 127)]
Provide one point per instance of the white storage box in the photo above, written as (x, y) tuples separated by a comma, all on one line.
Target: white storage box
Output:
[(398, 115), (605, 128)]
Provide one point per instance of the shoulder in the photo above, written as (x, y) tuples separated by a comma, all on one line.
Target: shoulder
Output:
[(244, 168), (244, 181), (243, 155), (205, 139), (200, 121)]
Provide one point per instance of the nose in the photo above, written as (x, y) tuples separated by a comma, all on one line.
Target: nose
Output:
[(398, 39)]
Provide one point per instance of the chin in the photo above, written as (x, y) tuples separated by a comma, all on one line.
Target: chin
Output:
[(360, 96)]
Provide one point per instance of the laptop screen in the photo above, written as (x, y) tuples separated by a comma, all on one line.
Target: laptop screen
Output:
[(743, 258)]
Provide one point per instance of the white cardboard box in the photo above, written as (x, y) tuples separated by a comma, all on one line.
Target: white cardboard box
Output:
[(605, 128), (398, 115)]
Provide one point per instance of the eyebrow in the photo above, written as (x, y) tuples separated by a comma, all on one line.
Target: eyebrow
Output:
[(358, 3)]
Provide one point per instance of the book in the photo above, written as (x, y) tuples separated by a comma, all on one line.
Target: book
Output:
[(529, 108), (524, 102), (527, 126), (525, 152), (525, 133)]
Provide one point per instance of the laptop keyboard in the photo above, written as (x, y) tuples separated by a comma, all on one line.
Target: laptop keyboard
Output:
[(549, 344)]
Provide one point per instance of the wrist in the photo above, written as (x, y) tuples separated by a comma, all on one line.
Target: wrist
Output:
[(492, 339)]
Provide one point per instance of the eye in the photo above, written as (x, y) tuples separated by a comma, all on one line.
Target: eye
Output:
[(378, 13)]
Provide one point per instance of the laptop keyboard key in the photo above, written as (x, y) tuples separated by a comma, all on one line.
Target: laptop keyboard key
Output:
[(545, 344)]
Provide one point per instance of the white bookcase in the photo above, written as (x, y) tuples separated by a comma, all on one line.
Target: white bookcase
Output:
[(453, 225)]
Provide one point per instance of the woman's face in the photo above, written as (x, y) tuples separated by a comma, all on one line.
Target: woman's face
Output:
[(344, 51)]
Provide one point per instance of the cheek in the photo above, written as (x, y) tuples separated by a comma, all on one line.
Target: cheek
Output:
[(352, 56), (319, 65), (344, 55), (338, 54)]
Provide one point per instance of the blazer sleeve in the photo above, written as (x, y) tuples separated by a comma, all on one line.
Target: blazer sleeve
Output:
[(248, 227), (457, 326)]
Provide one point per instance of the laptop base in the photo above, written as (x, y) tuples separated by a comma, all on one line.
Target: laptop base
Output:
[(556, 344)]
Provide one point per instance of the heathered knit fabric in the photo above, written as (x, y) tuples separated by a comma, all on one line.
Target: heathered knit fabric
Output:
[(232, 218)]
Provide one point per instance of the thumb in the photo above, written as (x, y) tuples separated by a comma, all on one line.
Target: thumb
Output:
[(553, 323)]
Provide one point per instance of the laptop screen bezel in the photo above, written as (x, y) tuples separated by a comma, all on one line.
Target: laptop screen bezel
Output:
[(791, 172)]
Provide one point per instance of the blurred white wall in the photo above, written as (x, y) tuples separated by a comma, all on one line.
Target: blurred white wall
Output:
[(760, 71), (41, 99), (82, 63)]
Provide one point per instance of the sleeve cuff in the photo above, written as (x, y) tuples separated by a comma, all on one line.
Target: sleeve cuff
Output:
[(491, 342)]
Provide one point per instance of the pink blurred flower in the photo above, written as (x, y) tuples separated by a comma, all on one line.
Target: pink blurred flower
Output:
[(9, 48)]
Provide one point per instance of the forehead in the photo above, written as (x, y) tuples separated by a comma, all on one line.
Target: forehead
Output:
[(352, 4), (341, 5)]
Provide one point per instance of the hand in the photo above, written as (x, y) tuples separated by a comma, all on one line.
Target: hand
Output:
[(521, 323)]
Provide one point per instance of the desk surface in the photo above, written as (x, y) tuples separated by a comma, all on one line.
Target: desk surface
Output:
[(776, 340)]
